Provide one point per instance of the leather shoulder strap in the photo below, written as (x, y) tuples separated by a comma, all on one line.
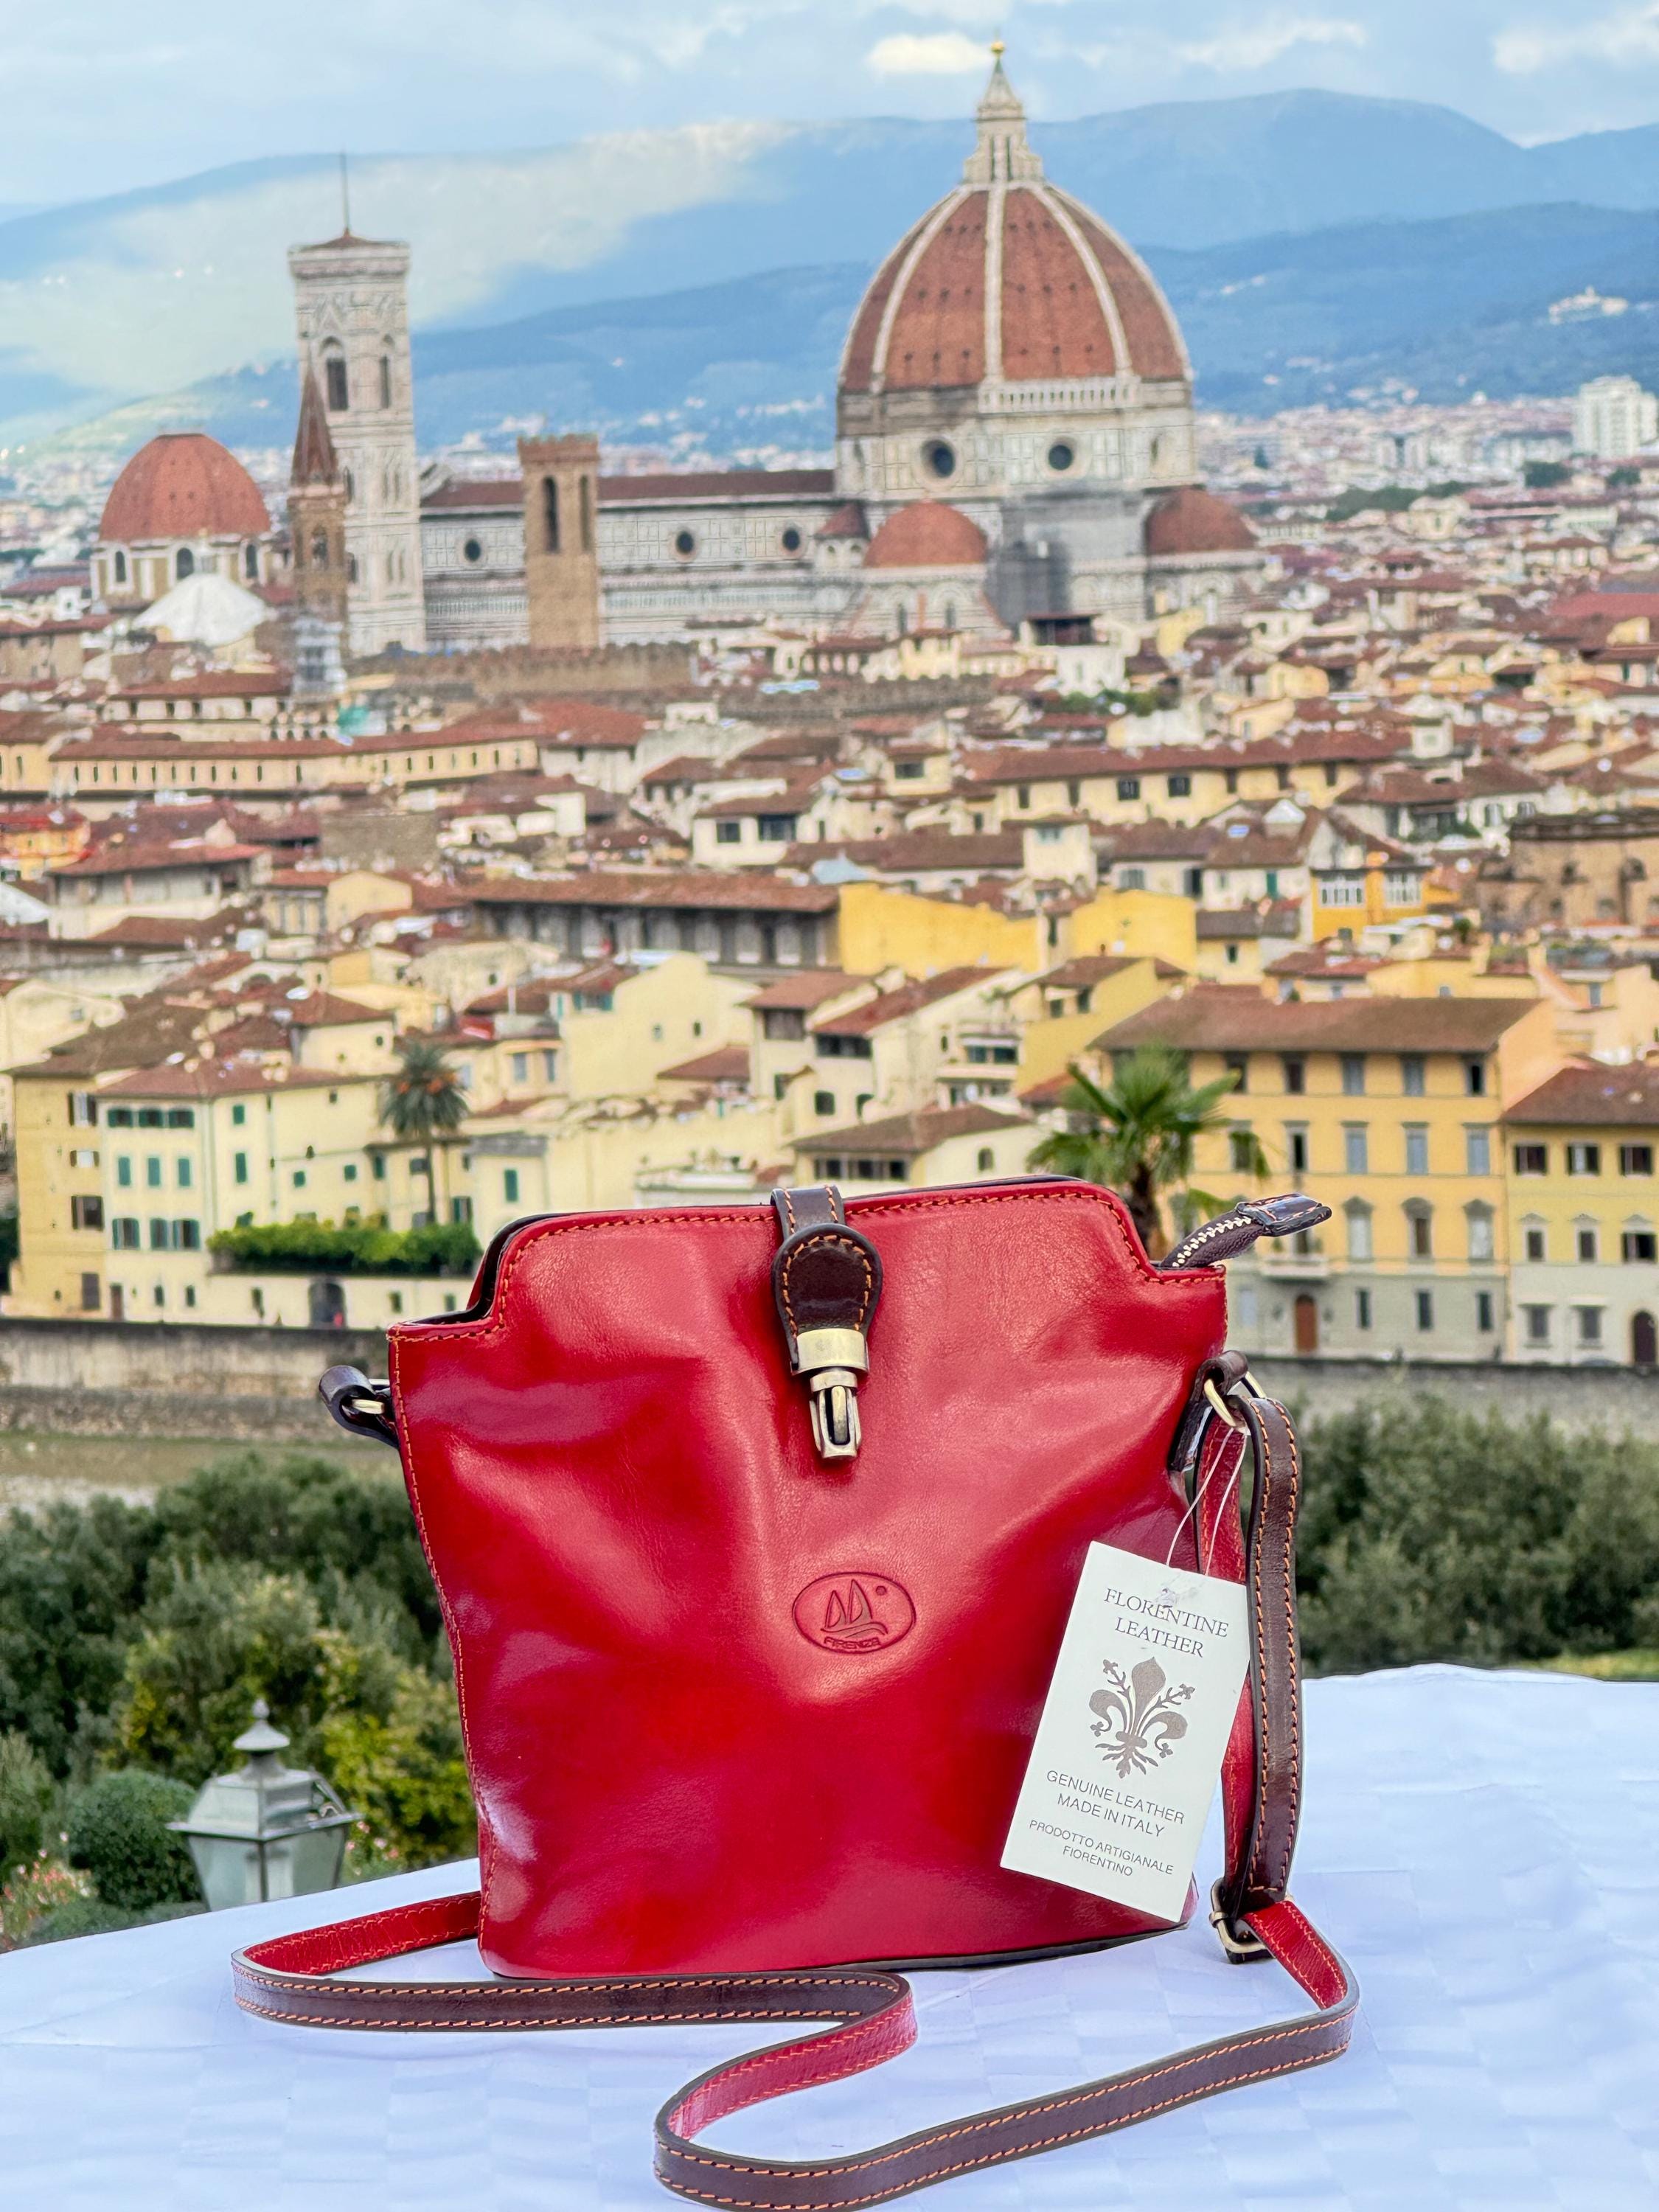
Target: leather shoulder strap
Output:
[(302, 1978)]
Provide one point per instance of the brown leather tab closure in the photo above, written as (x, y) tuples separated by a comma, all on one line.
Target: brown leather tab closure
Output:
[(826, 1280)]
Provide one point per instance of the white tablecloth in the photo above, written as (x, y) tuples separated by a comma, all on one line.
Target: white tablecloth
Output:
[(1485, 1848)]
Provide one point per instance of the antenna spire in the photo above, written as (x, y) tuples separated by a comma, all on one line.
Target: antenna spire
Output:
[(345, 198)]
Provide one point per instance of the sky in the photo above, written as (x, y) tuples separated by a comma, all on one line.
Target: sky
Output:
[(99, 96)]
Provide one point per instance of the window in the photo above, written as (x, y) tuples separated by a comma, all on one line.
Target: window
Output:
[(460, 1211), (1342, 890), (510, 1186), (185, 1172), (728, 833), (550, 1061), (1583, 1159), (124, 1233), (1359, 1230), (1424, 1303), (472, 552), (1588, 1319), (83, 1109), (1181, 787), (299, 1178), (152, 1173), (1295, 1074), (1353, 1075), (939, 459), (1484, 1319), (1482, 1241), (119, 1117), (1536, 1241), (377, 1169), (186, 1235), (1419, 1231), (791, 539), (89, 1213), (238, 1166), (823, 1102), (184, 563), (1417, 1148), (1413, 1072), (986, 1161), (1536, 1322), (1402, 887), (1129, 787), (1241, 1145), (1295, 1148), (1636, 1159), (1362, 1310), (1131, 879), (685, 544), (90, 1290), (831, 1046), (1532, 1159), (521, 1067), (1585, 1242), (549, 516), (776, 828), (350, 1171), (239, 1115), (160, 1234), (181, 1117), (1023, 794), (1062, 455), (1638, 1245), (120, 578), (1474, 1078), (385, 380), (1477, 1151), (1356, 1151), (337, 389), (124, 1173)]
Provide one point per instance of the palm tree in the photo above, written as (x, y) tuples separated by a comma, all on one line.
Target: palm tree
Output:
[(422, 1101), (1135, 1136)]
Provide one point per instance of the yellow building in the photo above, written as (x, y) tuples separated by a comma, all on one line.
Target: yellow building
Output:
[(1583, 1217), (921, 1150), (624, 1022), (1060, 1012), (62, 1238), (1387, 1111)]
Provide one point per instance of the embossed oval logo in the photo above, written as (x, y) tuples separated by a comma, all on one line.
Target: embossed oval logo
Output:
[(854, 1612)]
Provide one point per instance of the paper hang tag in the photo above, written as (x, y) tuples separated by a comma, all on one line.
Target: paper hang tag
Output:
[(1129, 1745)]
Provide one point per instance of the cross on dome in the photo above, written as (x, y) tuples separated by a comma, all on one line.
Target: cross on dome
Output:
[(1002, 156)]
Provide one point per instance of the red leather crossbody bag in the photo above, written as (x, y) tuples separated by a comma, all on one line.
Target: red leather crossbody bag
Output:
[(756, 1530)]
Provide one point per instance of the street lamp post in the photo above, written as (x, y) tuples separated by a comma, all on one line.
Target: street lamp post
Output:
[(267, 1830)]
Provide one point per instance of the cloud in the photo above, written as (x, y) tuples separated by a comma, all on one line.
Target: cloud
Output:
[(940, 53), (1254, 46), (1628, 34)]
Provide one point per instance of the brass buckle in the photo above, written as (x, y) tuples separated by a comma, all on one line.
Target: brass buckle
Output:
[(1241, 1944), (1218, 1405)]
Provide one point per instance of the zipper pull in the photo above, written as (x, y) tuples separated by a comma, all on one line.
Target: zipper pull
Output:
[(1230, 1233)]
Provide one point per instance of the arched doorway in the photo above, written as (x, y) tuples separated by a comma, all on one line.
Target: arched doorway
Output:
[(1307, 1323), (1643, 1340), (327, 1305)]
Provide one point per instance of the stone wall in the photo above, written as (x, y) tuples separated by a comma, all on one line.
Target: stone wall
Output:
[(1580, 1398), (113, 1378)]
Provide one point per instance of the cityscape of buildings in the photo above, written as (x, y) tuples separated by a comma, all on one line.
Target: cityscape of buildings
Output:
[(813, 823)]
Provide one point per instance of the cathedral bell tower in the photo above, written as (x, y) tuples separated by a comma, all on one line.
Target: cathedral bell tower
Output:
[(351, 305)]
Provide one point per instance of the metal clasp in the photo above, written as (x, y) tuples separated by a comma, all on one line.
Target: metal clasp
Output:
[(831, 1360)]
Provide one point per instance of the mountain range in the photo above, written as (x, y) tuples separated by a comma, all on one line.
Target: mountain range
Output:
[(1326, 240)]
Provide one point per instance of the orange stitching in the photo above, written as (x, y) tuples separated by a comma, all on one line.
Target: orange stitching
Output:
[(1290, 1651), (1264, 1739), (994, 2158), (532, 2020), (317, 1984)]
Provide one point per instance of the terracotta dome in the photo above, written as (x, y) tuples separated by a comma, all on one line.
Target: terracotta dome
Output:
[(927, 534), (182, 485), (1195, 521), (1007, 278)]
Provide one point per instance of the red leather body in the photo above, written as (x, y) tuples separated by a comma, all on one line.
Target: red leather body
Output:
[(614, 1480)]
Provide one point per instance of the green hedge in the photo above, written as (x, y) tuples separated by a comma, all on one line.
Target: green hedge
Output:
[(444, 1249)]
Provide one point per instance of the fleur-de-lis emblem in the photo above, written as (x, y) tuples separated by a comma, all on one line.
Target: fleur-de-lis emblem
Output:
[(1138, 1723)]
